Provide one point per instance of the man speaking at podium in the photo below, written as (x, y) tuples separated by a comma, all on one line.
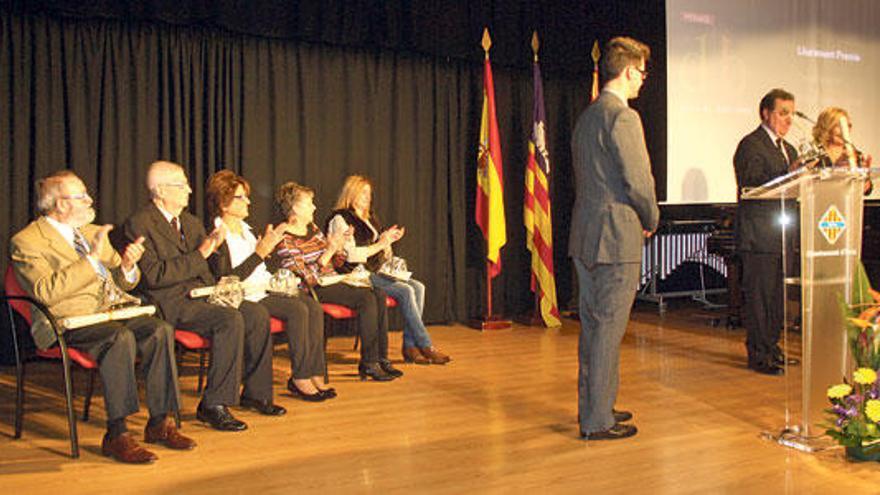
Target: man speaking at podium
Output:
[(65, 262), (761, 156)]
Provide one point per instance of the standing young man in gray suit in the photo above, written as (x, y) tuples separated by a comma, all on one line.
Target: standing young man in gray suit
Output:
[(615, 209)]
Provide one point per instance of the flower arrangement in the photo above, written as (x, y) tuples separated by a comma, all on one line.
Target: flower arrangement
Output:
[(855, 404)]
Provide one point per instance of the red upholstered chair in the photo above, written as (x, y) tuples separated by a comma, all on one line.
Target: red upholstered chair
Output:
[(389, 303), (19, 302), (191, 341)]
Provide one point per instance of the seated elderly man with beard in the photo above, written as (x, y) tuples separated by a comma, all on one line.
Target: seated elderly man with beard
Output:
[(65, 262)]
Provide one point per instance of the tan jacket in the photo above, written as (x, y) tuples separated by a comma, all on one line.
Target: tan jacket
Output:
[(52, 272)]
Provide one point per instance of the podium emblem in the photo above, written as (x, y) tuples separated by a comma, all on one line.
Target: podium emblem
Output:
[(832, 224)]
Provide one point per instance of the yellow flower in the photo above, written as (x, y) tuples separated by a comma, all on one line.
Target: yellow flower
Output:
[(860, 322), (839, 391), (865, 376), (872, 410)]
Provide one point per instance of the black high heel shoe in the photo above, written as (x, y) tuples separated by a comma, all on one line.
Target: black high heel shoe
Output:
[(388, 368), (328, 393), (374, 371), (316, 397)]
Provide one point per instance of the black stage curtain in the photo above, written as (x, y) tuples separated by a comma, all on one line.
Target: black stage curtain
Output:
[(105, 98)]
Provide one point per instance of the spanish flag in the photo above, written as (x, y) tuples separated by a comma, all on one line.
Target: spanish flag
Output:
[(595, 54), (536, 212), (490, 191)]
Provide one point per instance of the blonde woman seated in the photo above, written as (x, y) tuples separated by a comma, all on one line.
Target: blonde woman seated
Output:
[(243, 255), (308, 253), (828, 135), (371, 248)]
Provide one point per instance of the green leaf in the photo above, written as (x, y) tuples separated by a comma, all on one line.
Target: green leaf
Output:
[(861, 289)]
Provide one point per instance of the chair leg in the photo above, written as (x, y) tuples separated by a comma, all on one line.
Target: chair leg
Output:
[(87, 404), (68, 395), (357, 340), (201, 370), (326, 365), (19, 373), (19, 397), (177, 418)]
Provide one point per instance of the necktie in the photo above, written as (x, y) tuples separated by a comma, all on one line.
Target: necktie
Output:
[(82, 248), (781, 148), (176, 224)]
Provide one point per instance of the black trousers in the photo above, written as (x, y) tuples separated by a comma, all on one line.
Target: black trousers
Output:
[(303, 320), (763, 306), (115, 345), (372, 316), (241, 350)]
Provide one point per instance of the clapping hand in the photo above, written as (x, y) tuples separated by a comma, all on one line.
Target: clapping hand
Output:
[(98, 238), (392, 235), (270, 238), (213, 241), (337, 240), (132, 254)]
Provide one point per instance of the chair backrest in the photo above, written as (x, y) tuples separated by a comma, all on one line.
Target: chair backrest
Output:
[(13, 288)]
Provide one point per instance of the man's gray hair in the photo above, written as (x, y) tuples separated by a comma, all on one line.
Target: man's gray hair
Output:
[(156, 174), (49, 190)]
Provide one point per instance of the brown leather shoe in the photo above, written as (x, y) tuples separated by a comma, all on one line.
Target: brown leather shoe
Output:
[(434, 356), (125, 448), (412, 355), (168, 435)]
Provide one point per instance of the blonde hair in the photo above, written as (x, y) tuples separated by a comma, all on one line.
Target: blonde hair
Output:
[(353, 186), (825, 124)]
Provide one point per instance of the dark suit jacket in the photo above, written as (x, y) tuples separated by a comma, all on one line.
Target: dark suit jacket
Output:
[(615, 199), (757, 160), (170, 267)]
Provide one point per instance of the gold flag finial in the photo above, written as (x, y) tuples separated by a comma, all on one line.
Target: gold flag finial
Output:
[(535, 44), (487, 41), (596, 53)]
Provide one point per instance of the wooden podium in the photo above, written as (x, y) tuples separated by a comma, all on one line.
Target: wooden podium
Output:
[(831, 202)]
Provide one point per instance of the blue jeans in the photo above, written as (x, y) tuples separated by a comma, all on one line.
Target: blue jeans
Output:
[(410, 297)]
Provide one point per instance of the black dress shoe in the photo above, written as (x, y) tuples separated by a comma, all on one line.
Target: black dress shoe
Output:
[(374, 371), (780, 359), (767, 368), (219, 418), (621, 416), (264, 407), (315, 397), (387, 367), (616, 432)]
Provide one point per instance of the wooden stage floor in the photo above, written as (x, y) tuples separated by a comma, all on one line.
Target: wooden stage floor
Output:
[(500, 418)]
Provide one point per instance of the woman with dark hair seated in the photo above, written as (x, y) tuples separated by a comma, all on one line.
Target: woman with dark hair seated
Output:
[(372, 249), (308, 253), (243, 255)]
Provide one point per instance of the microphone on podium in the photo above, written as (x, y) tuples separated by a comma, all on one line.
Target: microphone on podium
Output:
[(804, 116)]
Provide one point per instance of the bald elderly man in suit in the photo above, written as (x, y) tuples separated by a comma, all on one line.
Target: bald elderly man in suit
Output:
[(615, 209), (176, 248), (65, 262)]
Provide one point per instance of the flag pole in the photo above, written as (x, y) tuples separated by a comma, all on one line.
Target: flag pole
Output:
[(489, 321), (533, 319)]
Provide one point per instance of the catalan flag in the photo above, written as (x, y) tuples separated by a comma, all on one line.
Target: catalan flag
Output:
[(539, 229), (490, 191)]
